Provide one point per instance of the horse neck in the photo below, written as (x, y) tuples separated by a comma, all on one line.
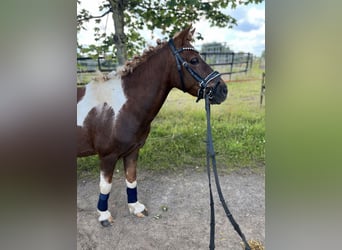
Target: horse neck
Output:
[(149, 84)]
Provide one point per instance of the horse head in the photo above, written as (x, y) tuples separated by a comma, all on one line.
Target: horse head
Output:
[(193, 74)]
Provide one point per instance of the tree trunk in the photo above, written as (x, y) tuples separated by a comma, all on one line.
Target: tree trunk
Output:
[(118, 7)]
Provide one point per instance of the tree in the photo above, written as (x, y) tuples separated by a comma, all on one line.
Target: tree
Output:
[(130, 16)]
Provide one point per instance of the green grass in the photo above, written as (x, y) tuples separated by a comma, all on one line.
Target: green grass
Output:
[(177, 137)]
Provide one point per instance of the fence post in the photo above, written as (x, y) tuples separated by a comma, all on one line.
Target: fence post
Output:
[(231, 66), (99, 63), (263, 87), (204, 56), (247, 62)]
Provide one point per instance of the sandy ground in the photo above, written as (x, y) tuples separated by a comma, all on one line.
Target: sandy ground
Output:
[(185, 224)]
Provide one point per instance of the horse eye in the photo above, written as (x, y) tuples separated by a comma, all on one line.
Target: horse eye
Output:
[(194, 61)]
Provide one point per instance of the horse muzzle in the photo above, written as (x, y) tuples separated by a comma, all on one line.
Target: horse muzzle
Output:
[(218, 93)]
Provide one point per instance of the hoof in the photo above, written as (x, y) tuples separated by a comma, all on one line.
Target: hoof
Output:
[(142, 214), (108, 222)]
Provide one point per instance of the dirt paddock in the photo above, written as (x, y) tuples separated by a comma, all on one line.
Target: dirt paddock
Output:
[(179, 211)]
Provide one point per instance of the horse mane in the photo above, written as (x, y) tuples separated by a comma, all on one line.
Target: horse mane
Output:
[(181, 37), (131, 65)]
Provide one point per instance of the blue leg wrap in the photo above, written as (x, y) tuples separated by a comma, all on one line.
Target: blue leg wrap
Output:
[(102, 205), (132, 195)]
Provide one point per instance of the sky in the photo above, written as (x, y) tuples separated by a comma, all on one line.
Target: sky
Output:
[(247, 36)]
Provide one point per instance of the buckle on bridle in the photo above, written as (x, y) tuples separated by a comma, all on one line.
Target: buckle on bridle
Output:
[(201, 93), (210, 94)]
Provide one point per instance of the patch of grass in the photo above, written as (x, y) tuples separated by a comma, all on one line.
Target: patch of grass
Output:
[(178, 133), (87, 166)]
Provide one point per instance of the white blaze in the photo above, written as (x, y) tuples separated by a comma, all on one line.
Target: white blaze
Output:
[(97, 93)]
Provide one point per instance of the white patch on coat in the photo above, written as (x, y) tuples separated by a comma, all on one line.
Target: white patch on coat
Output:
[(99, 92)]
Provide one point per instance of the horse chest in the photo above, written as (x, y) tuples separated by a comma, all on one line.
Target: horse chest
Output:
[(104, 98)]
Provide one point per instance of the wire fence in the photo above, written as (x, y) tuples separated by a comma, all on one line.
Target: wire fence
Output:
[(227, 63)]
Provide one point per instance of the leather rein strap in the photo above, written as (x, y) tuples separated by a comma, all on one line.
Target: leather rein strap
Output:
[(211, 155), (203, 83)]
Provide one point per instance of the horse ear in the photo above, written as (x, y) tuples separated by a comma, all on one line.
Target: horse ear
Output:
[(184, 36), (191, 34)]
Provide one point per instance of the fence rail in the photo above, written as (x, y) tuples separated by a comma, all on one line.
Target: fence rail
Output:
[(227, 63), (236, 62), (90, 65)]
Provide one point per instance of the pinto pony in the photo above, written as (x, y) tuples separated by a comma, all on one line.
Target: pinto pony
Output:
[(114, 112)]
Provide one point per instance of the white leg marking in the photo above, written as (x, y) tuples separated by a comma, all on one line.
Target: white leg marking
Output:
[(97, 93), (131, 185), (105, 187)]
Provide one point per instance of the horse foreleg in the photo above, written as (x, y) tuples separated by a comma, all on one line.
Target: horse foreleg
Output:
[(130, 164), (106, 174)]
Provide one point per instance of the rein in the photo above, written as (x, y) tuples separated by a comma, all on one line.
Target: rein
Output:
[(211, 155), (203, 82)]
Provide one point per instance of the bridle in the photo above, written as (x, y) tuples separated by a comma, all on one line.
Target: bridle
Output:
[(203, 82)]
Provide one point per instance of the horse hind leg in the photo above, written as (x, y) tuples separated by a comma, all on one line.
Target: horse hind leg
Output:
[(106, 174), (134, 206)]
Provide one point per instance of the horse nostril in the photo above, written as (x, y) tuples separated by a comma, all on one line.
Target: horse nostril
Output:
[(224, 90)]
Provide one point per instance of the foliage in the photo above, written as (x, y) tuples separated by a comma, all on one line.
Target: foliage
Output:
[(169, 15)]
